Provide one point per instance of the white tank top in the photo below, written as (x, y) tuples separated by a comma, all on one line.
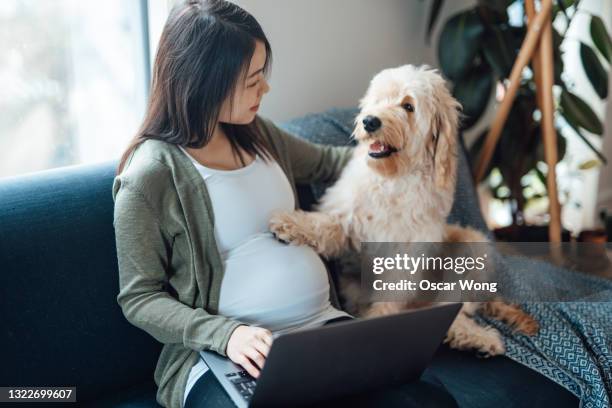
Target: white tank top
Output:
[(266, 283)]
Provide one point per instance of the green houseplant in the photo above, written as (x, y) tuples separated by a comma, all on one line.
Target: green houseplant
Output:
[(477, 49)]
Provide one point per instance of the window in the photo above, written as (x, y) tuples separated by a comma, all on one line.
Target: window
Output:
[(74, 77)]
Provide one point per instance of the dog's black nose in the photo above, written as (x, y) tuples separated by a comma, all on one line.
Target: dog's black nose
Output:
[(371, 123)]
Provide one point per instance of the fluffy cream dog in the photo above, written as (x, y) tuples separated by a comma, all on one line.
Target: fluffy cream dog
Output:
[(399, 187)]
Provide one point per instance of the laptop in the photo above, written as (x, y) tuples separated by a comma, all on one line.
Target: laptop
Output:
[(348, 357)]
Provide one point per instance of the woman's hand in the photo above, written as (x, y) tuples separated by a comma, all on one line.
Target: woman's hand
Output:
[(248, 344)]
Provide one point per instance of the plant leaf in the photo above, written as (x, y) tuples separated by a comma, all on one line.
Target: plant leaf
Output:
[(498, 51), (579, 114), (589, 164), (490, 15), (561, 146), (587, 142), (433, 16), (540, 175), (474, 91), (562, 7), (497, 5), (601, 39), (459, 43), (594, 70)]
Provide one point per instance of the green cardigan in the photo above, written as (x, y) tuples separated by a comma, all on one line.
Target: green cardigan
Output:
[(170, 269)]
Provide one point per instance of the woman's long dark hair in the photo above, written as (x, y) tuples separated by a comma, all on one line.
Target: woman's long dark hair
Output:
[(204, 51)]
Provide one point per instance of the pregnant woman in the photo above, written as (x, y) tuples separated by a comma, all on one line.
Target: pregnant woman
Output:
[(198, 267)]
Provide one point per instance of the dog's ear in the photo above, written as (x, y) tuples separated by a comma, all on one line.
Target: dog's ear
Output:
[(444, 138)]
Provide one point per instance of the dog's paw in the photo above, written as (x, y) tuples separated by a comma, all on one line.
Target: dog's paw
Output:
[(491, 344), (488, 342), (285, 226), (528, 326)]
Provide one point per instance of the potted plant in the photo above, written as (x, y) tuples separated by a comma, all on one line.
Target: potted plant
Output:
[(477, 49)]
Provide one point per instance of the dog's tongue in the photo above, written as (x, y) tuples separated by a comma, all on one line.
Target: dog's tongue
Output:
[(377, 147)]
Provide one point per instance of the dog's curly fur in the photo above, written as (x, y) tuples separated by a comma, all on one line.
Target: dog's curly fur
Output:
[(403, 195)]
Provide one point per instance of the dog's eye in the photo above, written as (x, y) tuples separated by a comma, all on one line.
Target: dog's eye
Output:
[(408, 107)]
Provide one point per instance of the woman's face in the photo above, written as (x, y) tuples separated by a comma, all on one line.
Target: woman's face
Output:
[(249, 91)]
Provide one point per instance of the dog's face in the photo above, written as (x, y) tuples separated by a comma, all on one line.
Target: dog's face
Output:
[(408, 121)]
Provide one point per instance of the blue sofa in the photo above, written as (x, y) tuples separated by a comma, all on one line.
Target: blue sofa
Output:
[(59, 282)]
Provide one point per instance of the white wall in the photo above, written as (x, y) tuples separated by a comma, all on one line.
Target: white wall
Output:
[(325, 52)]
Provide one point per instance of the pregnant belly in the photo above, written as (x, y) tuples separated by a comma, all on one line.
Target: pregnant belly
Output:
[(272, 284)]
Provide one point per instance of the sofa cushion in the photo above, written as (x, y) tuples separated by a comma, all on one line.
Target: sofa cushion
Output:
[(59, 284)]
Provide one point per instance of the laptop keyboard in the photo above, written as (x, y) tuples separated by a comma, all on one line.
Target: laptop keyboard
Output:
[(244, 383)]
